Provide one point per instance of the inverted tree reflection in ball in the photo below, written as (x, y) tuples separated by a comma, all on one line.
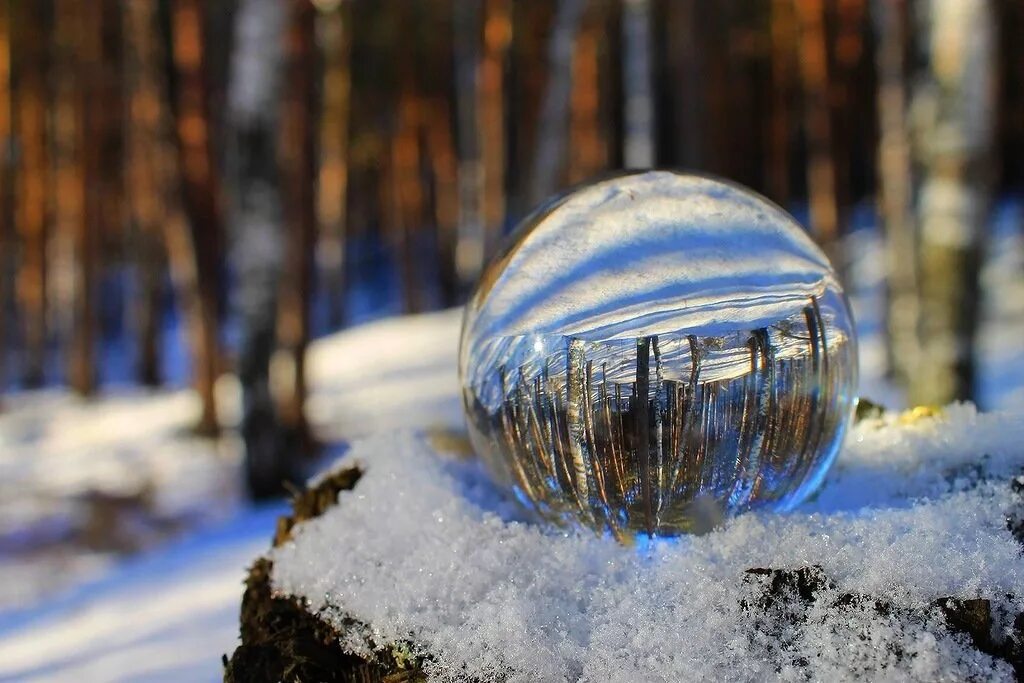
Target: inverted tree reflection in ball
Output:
[(657, 350)]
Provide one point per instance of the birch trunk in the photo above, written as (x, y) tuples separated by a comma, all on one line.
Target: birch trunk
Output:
[(953, 126), (895, 189), (257, 225), (638, 85), (469, 247), (552, 127)]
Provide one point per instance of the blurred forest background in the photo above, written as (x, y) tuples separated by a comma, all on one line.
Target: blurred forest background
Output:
[(201, 187)]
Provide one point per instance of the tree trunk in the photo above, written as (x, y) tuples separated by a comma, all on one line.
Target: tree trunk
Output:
[(588, 149), (31, 195), (469, 248), (821, 170), (895, 190), (257, 226), (953, 125), (490, 109), (296, 154), (332, 186), (406, 195), (145, 136), (684, 64), (406, 165), (552, 126), (444, 165), (6, 173), (200, 191), (783, 62), (77, 36), (638, 85)]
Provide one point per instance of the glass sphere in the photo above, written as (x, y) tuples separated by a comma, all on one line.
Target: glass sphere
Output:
[(655, 351)]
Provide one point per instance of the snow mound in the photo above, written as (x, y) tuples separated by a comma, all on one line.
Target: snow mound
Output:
[(424, 550)]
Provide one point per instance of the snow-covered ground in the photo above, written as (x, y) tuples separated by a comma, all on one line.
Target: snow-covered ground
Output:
[(122, 471), (83, 483), (71, 610), (168, 616)]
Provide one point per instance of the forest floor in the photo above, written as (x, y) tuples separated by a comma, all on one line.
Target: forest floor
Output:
[(124, 540)]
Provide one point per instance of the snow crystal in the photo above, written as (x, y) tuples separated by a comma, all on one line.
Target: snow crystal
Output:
[(424, 550)]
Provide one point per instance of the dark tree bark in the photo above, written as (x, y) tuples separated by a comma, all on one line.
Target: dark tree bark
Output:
[(196, 252), (783, 36), (31, 195), (298, 167), (684, 67), (444, 167)]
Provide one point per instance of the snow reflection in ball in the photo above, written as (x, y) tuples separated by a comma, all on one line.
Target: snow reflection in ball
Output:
[(653, 352)]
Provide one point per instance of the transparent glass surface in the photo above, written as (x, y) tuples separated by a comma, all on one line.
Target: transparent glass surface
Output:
[(656, 351)]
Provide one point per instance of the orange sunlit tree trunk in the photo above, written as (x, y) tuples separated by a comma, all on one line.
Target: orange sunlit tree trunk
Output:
[(335, 31), (822, 186), (201, 195), (31, 194), (406, 193), (588, 151), (146, 149), (77, 35), (497, 34), (5, 178)]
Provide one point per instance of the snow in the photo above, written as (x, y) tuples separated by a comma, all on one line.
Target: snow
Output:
[(84, 482), (69, 611), (166, 617), (392, 374), (434, 555)]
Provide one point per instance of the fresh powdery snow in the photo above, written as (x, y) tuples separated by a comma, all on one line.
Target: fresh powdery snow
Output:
[(424, 551)]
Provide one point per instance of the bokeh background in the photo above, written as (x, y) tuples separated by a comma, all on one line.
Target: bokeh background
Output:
[(191, 192)]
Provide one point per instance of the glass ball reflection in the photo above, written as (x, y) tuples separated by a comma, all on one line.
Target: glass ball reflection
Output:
[(655, 351)]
